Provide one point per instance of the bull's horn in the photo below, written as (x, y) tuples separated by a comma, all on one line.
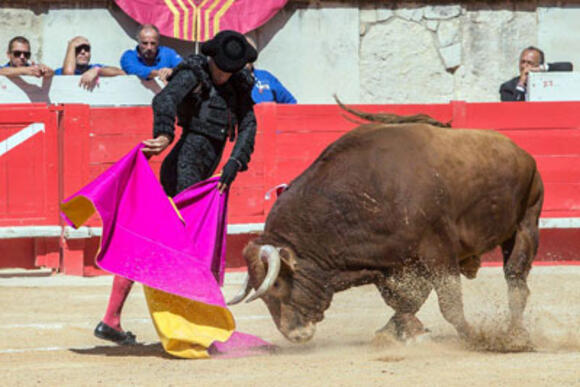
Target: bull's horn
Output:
[(271, 255), (243, 292)]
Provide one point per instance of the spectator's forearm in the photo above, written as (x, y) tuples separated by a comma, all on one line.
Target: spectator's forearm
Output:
[(14, 71), (110, 71), (69, 65)]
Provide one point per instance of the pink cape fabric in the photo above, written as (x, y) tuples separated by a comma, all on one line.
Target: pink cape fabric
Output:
[(145, 240)]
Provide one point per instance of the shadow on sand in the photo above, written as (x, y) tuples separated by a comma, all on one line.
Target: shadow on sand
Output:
[(153, 349)]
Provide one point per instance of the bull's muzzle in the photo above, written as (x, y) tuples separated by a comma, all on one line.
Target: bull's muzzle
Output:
[(300, 335)]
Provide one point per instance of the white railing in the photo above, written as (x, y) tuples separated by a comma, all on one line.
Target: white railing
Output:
[(68, 232), (110, 91)]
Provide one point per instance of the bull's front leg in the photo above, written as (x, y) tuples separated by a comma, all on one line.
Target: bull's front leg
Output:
[(448, 289), (405, 291)]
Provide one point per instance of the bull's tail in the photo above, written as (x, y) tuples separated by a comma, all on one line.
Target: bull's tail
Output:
[(389, 118)]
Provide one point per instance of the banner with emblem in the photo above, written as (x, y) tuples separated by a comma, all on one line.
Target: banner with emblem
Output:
[(200, 20)]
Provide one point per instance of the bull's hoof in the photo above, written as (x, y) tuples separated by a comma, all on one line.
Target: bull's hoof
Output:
[(467, 334), (385, 339), (490, 340), (405, 328), (518, 340)]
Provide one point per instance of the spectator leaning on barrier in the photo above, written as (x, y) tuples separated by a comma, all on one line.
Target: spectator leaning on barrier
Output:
[(531, 59), (211, 95), (149, 60), (19, 55), (77, 61), (267, 87)]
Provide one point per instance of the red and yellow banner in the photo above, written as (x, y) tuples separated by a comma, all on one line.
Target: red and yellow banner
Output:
[(200, 20)]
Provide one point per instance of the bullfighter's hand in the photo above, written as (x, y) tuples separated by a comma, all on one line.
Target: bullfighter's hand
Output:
[(229, 173), (156, 145), (90, 78), (164, 73)]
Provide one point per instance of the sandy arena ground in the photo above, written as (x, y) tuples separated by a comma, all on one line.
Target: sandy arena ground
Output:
[(46, 339)]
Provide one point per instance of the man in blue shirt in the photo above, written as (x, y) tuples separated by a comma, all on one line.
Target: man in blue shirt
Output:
[(267, 87), (149, 60), (77, 61), (19, 60)]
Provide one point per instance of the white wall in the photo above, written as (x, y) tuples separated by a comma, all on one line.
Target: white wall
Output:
[(559, 33), (368, 52), (107, 37), (314, 54)]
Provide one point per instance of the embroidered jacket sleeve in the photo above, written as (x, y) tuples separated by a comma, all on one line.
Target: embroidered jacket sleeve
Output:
[(244, 147), (165, 103)]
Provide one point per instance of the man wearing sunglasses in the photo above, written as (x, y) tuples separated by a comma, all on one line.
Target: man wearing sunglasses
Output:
[(18, 60), (77, 61)]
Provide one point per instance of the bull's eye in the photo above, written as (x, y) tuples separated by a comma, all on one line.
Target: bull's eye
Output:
[(276, 285)]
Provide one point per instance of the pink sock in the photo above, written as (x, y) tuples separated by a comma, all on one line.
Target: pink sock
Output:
[(119, 293)]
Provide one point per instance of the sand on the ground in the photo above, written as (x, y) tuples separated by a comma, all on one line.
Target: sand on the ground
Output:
[(46, 339)]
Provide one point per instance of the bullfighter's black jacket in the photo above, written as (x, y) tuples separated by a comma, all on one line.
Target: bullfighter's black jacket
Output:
[(208, 114), (509, 91)]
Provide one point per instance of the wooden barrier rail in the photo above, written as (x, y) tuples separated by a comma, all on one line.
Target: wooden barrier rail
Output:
[(48, 152)]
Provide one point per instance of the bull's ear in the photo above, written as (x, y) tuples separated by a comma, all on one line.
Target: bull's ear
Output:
[(255, 265), (288, 258)]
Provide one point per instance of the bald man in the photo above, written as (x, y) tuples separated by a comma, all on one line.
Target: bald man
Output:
[(149, 60)]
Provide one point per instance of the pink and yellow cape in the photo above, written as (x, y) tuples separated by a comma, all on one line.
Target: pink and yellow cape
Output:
[(175, 248)]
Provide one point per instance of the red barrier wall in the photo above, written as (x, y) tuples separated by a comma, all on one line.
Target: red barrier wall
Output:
[(29, 165), (29, 176), (79, 142)]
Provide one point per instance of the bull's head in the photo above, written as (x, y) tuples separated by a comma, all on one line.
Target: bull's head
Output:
[(296, 303)]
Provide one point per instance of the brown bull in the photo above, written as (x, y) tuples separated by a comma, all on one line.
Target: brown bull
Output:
[(408, 207)]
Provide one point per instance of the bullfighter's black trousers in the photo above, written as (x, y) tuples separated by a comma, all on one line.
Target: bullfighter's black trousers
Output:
[(193, 158)]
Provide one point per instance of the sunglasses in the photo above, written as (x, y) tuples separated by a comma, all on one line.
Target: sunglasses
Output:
[(18, 54), (82, 47)]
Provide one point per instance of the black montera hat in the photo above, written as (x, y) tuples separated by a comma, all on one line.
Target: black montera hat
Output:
[(230, 50)]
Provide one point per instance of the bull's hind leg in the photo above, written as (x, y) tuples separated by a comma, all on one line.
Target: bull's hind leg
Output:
[(518, 253), (405, 293)]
